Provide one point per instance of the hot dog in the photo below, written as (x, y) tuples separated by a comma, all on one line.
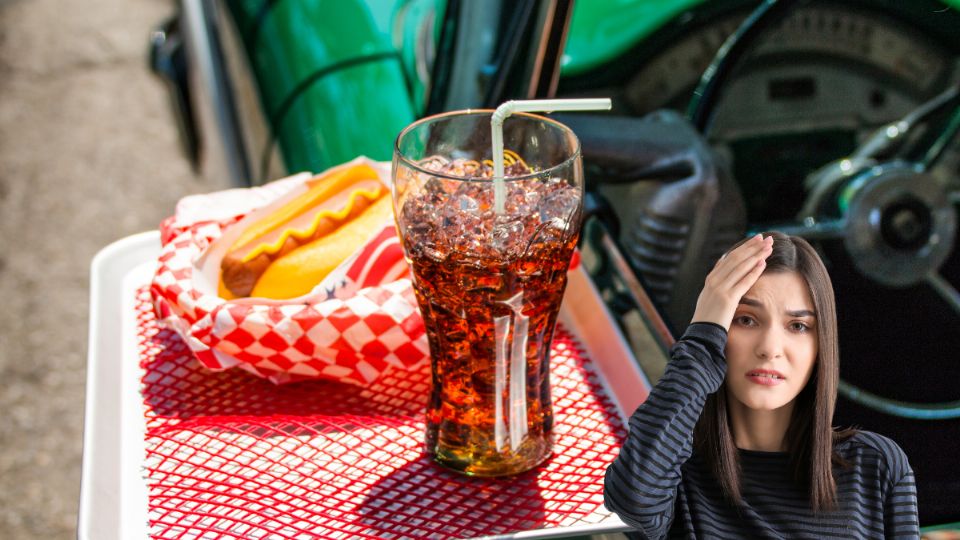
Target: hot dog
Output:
[(331, 203), (299, 271)]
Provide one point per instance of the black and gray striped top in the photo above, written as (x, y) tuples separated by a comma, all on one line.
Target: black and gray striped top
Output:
[(657, 487)]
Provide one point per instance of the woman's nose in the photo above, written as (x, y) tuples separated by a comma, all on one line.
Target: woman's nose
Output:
[(770, 344)]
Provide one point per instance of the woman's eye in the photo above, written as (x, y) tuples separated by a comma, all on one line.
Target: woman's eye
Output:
[(743, 320), (799, 327)]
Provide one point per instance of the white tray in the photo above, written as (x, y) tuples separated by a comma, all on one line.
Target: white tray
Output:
[(113, 493)]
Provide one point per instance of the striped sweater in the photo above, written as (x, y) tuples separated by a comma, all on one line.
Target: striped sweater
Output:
[(658, 487)]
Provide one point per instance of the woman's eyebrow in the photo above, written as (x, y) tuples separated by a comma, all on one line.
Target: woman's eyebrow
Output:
[(793, 313)]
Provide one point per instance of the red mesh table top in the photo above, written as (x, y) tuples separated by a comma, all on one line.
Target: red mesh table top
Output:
[(229, 455)]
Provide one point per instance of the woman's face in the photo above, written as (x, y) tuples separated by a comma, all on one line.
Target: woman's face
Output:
[(772, 342)]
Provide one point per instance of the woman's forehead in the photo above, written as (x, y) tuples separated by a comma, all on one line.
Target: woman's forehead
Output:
[(780, 291)]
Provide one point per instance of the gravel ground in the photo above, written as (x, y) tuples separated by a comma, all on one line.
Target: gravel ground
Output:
[(88, 154)]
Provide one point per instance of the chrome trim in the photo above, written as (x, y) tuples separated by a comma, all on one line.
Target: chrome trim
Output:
[(658, 328), (945, 289), (553, 22), (222, 151)]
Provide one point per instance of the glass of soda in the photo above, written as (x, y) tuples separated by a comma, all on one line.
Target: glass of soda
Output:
[(489, 280)]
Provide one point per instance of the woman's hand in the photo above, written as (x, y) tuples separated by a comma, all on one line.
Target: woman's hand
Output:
[(730, 279)]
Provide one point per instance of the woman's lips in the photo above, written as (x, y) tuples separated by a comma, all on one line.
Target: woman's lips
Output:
[(765, 377)]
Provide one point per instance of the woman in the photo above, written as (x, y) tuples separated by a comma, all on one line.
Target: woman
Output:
[(736, 441)]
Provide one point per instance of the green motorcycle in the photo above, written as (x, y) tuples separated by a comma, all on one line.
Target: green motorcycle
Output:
[(832, 120)]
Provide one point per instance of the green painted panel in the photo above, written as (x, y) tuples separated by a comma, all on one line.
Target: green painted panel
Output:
[(296, 39), (600, 30), (330, 123), (330, 79)]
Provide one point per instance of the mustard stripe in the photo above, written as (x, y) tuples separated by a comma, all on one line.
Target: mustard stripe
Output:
[(306, 234)]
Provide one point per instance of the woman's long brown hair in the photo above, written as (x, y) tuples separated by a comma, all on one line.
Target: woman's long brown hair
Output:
[(810, 436)]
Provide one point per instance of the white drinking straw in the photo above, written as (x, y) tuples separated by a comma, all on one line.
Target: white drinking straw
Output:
[(533, 105)]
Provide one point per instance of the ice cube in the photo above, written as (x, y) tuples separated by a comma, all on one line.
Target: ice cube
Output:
[(465, 222), (436, 189), (522, 197), (532, 197), (461, 207), (560, 203), (434, 163), (467, 203), (507, 236), (433, 251)]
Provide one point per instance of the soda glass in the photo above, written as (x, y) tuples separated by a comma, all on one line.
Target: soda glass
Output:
[(489, 280)]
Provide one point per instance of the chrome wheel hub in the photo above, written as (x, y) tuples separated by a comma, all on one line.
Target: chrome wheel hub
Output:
[(899, 223)]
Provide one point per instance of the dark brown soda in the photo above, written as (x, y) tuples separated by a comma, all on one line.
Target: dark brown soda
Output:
[(479, 305)]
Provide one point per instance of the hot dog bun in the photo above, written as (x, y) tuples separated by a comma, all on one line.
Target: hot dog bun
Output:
[(298, 272), (331, 203)]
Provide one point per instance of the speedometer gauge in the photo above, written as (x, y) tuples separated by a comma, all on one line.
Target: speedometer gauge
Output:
[(885, 50), (812, 89), (871, 40)]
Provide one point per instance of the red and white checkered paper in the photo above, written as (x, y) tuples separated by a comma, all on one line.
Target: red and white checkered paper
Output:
[(358, 321)]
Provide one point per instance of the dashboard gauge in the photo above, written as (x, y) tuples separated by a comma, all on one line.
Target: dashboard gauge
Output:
[(809, 92), (901, 53), (669, 78), (879, 48)]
